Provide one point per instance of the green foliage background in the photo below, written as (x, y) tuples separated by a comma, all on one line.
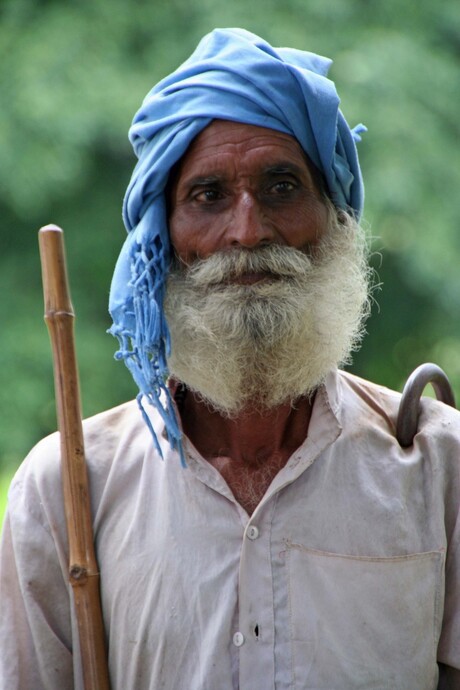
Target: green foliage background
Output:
[(72, 76)]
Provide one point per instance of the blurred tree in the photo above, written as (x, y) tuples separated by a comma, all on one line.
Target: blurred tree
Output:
[(73, 75)]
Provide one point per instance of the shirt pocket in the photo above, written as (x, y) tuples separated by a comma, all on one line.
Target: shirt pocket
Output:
[(363, 622)]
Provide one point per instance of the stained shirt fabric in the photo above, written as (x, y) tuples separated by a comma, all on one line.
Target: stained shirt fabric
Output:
[(346, 576)]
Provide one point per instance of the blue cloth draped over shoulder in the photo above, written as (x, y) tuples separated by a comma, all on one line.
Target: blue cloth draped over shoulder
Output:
[(232, 75)]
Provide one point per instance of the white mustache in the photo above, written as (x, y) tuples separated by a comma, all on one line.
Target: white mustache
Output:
[(224, 266)]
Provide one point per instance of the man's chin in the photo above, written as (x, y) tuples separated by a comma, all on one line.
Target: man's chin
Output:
[(260, 397)]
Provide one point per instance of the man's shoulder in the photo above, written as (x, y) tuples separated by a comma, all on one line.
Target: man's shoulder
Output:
[(433, 416), (104, 434), (361, 392), (107, 429), (365, 387), (115, 441), (101, 432)]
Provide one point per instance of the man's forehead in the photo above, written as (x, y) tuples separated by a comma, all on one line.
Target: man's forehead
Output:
[(237, 135), (225, 143)]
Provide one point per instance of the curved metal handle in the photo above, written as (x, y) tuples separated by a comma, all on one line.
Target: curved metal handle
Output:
[(409, 409)]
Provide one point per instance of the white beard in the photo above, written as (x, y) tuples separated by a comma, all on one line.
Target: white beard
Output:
[(268, 343)]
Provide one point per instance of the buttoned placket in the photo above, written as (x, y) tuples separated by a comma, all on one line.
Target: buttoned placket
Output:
[(254, 639), (255, 635)]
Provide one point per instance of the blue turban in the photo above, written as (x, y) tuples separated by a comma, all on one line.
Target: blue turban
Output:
[(232, 75)]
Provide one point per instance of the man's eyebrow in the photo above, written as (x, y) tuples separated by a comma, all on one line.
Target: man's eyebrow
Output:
[(283, 168), (202, 180), (186, 185)]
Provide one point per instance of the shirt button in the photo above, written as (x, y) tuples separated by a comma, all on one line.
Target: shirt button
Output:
[(238, 639), (252, 532)]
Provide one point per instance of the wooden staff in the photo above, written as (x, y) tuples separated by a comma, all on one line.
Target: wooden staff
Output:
[(83, 570)]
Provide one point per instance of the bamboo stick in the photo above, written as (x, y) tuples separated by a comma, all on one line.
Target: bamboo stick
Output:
[(83, 570)]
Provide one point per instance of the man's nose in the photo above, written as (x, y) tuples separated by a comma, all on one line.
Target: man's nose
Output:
[(249, 225)]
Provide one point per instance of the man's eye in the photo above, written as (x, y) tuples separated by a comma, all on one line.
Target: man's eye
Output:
[(282, 187), (207, 195)]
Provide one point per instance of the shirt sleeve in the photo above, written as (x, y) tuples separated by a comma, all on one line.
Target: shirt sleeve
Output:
[(35, 623)]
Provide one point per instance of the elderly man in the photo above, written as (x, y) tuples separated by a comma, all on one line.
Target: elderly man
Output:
[(257, 524)]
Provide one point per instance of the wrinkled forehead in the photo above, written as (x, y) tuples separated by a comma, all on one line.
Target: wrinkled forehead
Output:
[(227, 143)]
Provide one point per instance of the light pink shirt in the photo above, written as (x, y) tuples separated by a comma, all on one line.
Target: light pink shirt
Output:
[(346, 577)]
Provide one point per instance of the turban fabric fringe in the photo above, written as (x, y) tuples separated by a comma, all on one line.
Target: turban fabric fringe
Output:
[(232, 75)]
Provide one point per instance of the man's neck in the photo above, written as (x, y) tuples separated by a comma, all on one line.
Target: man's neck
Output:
[(250, 436), (250, 449)]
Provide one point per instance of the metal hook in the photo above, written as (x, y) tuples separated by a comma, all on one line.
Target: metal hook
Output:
[(409, 409)]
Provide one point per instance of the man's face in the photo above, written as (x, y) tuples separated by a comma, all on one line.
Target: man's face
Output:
[(272, 295), (244, 186)]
